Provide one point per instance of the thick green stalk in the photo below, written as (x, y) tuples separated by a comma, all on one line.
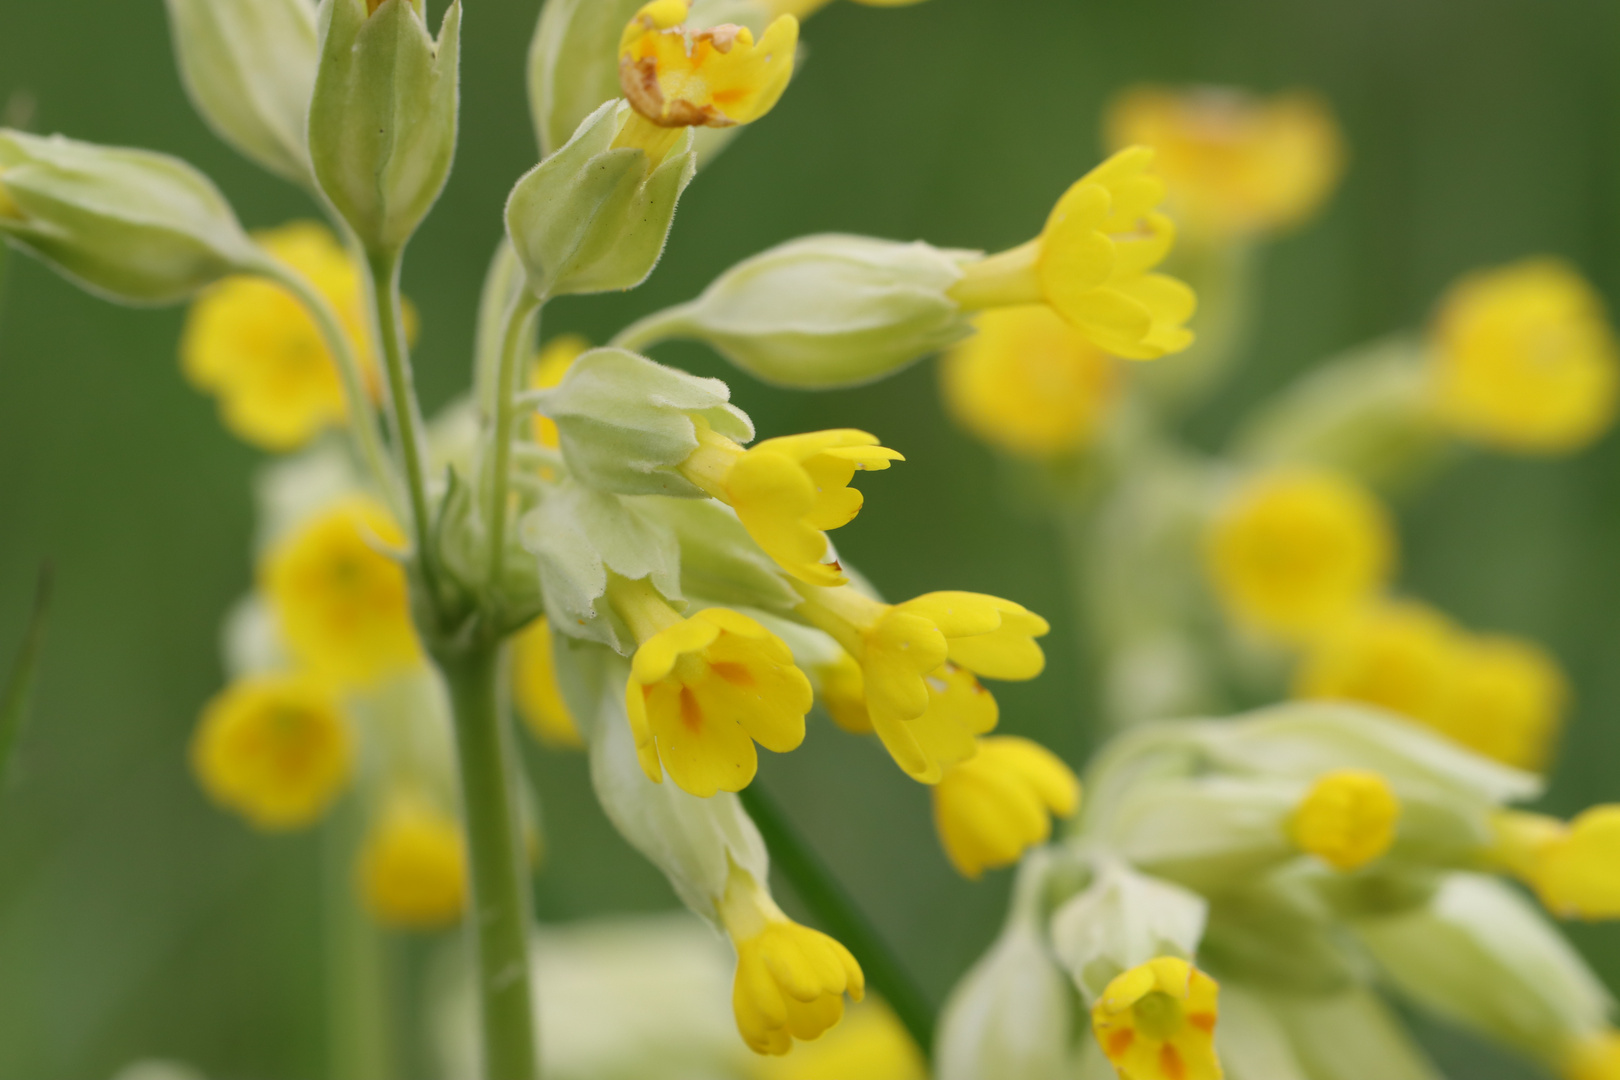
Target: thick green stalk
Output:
[(837, 912), (500, 884), (524, 306)]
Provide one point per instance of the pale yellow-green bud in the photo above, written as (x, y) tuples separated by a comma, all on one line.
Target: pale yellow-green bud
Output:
[(574, 64), (1123, 920), (249, 67), (822, 311), (1012, 1015), (594, 216), (624, 423), (1350, 1035), (382, 121), (722, 564), (131, 225)]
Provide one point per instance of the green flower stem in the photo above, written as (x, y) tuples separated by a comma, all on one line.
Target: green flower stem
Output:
[(840, 917), (363, 426), (646, 332), (360, 1030), (500, 886), (518, 323)]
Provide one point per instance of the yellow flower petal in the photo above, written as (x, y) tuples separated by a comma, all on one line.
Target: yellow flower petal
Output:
[(1347, 819), (535, 691), (717, 77), (1157, 1022), (994, 806)]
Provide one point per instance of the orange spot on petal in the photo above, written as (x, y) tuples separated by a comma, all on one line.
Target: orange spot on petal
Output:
[(691, 711), (1170, 1061), (1119, 1042), (1204, 1022)]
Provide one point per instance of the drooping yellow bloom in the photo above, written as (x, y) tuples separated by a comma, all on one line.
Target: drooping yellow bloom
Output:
[(704, 689), (1398, 655), (718, 77), (413, 867), (249, 342), (275, 749), (1157, 1022), (1574, 868), (1234, 164), (1524, 359), (341, 601), (534, 688), (1293, 551), (999, 803), (791, 980), (547, 371), (1029, 383), (1092, 264), (870, 1044), (842, 690), (1596, 1057), (1506, 701), (1347, 819), (788, 491), (918, 661)]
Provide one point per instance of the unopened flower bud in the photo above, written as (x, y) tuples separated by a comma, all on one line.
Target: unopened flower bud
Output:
[(1011, 1015)]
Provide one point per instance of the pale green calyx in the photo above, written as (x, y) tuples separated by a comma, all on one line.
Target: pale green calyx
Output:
[(594, 216), (382, 122), (625, 422), (249, 67), (1122, 920), (574, 64), (131, 225), (579, 535), (722, 564), (822, 311)]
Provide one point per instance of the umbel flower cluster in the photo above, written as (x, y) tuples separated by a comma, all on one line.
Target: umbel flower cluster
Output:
[(608, 543)]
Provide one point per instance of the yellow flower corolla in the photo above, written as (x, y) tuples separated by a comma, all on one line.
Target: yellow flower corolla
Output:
[(1092, 264), (1157, 1022), (704, 689), (918, 661), (1234, 164), (1574, 868), (791, 980), (1347, 819), (718, 77), (1524, 359), (1399, 655), (340, 599), (547, 371), (999, 803), (1506, 701), (1596, 1057), (788, 491), (535, 691), (842, 690), (1292, 552), (249, 342), (413, 867), (275, 749), (870, 1044), (1028, 383)]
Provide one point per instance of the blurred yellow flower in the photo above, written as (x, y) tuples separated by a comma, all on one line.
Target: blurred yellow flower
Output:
[(1293, 551), (788, 491), (918, 660), (341, 601), (1092, 264), (413, 867), (1157, 1022), (275, 749), (704, 689), (1028, 383), (1234, 164), (547, 371), (535, 691), (719, 77), (870, 1044), (999, 803), (1596, 1057), (1347, 819), (1399, 655), (791, 980), (1507, 701), (842, 689), (1574, 868), (1524, 359), (249, 342)]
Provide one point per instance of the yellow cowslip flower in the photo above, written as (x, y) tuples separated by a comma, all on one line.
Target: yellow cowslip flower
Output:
[(791, 980), (341, 601), (249, 342), (1091, 264), (1506, 701), (534, 688), (413, 867), (1524, 359), (1596, 1057), (1029, 383), (991, 808), (1234, 164), (870, 1044), (719, 77), (547, 371), (918, 661), (704, 689), (1294, 551), (274, 748), (1347, 819), (788, 491), (1157, 1022), (1398, 655), (1574, 868), (842, 690)]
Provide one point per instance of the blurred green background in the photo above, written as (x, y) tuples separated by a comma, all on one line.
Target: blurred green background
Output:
[(136, 920)]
